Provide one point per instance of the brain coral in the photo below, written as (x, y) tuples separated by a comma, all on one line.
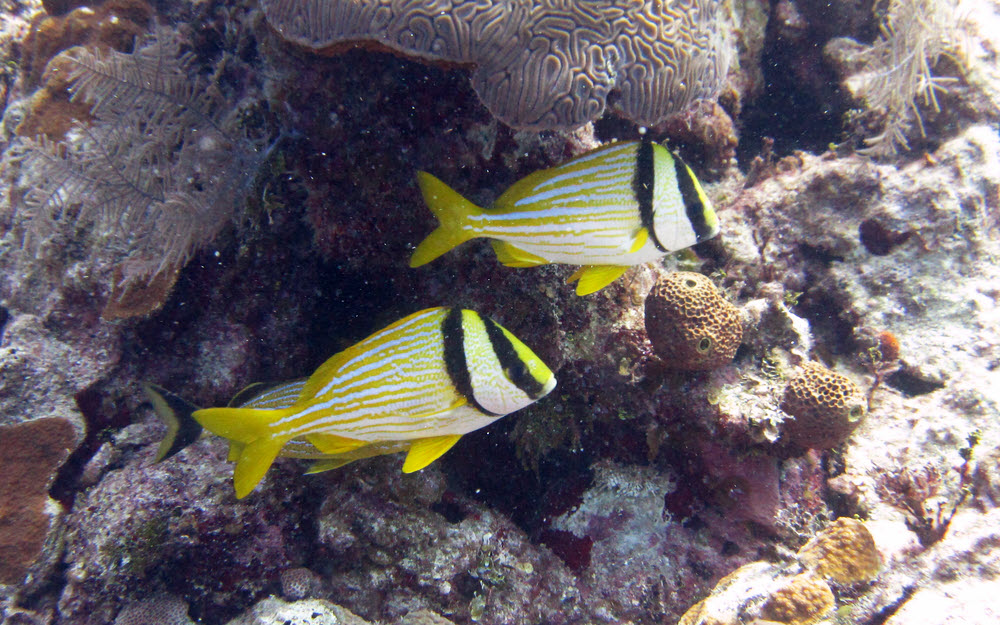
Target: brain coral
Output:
[(826, 405), (844, 552), (541, 64), (690, 324), (804, 600)]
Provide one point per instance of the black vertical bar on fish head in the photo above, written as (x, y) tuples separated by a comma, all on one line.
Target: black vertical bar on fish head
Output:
[(455, 363), (693, 204), (643, 183)]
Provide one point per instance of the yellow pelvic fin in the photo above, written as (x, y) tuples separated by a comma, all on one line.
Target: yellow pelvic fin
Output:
[(235, 451), (452, 212), (510, 256), (593, 278), (254, 462), (426, 450), (328, 465), (239, 424), (333, 444), (640, 239)]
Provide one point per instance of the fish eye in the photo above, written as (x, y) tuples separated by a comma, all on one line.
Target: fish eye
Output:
[(704, 344)]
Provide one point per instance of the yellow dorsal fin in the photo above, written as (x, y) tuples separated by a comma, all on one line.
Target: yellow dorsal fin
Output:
[(235, 451), (510, 256), (640, 239), (254, 462), (333, 444), (452, 211), (328, 465), (426, 450), (593, 278)]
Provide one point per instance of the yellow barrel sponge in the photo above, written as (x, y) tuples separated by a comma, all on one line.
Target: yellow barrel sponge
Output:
[(804, 600), (690, 324), (827, 407), (844, 552), (540, 64)]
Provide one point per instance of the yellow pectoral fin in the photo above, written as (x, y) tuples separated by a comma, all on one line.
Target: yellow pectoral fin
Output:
[(333, 444), (639, 241), (426, 450), (254, 462), (593, 278), (235, 451), (510, 256), (328, 465)]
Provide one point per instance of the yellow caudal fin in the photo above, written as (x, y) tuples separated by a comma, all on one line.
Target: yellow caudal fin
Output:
[(510, 256), (333, 444), (593, 278), (175, 412), (426, 450), (452, 212), (328, 465), (640, 239), (254, 462)]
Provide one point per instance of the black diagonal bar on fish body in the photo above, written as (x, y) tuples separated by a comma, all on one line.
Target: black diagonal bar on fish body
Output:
[(642, 187), (455, 363)]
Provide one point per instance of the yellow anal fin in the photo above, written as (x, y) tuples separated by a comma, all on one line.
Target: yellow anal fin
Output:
[(235, 451), (639, 241), (254, 462), (328, 465), (593, 278), (333, 444), (426, 450), (510, 256)]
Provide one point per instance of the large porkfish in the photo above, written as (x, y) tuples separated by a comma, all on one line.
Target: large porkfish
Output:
[(623, 204), (419, 385)]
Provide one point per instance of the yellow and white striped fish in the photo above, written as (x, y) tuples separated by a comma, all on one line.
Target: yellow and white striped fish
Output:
[(623, 204), (424, 381)]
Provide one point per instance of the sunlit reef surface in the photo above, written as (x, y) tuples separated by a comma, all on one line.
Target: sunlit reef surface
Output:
[(857, 191)]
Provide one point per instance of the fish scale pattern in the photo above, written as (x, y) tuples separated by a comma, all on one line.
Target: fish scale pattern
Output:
[(540, 64)]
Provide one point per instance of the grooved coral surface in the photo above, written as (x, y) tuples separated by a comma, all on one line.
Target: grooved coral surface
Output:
[(541, 64), (844, 552), (805, 599), (827, 406), (690, 324)]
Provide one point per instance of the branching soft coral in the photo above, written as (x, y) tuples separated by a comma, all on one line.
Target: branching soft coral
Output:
[(156, 172), (898, 72)]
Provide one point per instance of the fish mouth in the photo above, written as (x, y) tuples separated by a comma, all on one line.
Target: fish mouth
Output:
[(548, 386)]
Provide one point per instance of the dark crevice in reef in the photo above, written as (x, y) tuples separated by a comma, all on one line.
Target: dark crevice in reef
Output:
[(911, 382), (796, 78), (4, 318), (827, 321), (103, 418)]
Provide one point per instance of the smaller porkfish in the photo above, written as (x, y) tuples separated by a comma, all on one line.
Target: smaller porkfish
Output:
[(620, 205), (176, 413), (415, 386)]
